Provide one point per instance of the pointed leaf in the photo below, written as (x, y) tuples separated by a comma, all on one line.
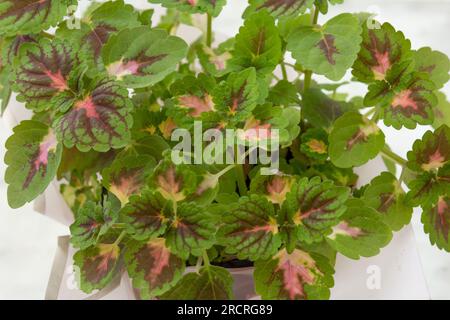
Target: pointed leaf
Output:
[(91, 221), (99, 121), (315, 144), (96, 266), (250, 230), (314, 206), (436, 220), (153, 268), (27, 16), (274, 188), (33, 156), (360, 233), (192, 231), (295, 276), (142, 60), (144, 215), (380, 50), (210, 283), (354, 141), (279, 8), (435, 63), (386, 195), (328, 50), (43, 72), (128, 175), (257, 45)]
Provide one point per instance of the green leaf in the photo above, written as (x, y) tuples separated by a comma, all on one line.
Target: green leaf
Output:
[(284, 93), (380, 50), (142, 60), (210, 283), (426, 188), (432, 152), (354, 140), (33, 156), (436, 221), (44, 72), (314, 206), (330, 49), (294, 276), (435, 63), (441, 111), (194, 6), (215, 60), (5, 89), (128, 175), (320, 110), (322, 5), (192, 231), (386, 195), (257, 45), (91, 222), (250, 230), (145, 216), (28, 16), (100, 120), (96, 267), (153, 268), (360, 232), (236, 97), (97, 26), (315, 144), (278, 8), (274, 187)]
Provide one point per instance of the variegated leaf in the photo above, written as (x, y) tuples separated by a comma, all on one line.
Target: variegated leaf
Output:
[(436, 220), (279, 8), (213, 7)]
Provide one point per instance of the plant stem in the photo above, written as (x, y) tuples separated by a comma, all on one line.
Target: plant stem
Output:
[(393, 156), (283, 70), (241, 180), (119, 239), (209, 31), (119, 226), (308, 73), (206, 262)]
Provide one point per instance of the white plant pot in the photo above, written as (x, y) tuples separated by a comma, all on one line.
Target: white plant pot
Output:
[(396, 273)]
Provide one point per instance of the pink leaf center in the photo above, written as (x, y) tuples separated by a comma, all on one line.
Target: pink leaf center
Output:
[(58, 80), (89, 107), (383, 65), (404, 100)]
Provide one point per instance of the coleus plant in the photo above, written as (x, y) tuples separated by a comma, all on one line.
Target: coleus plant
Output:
[(107, 92)]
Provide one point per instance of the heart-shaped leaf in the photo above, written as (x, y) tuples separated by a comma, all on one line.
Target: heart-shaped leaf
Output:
[(145, 215), (236, 97), (294, 276), (278, 8), (192, 231), (250, 230), (43, 72), (33, 156), (91, 222), (314, 206), (140, 57), (436, 221), (99, 121), (381, 49), (213, 7), (28, 16), (210, 283), (315, 144), (360, 232), (435, 63), (96, 266), (354, 140), (128, 175), (153, 268), (386, 195), (257, 44), (330, 49), (275, 187)]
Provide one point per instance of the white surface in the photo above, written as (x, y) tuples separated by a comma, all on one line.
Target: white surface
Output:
[(28, 240)]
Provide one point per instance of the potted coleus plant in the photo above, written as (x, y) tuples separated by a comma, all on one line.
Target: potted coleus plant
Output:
[(111, 92)]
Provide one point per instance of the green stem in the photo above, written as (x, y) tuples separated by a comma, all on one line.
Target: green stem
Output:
[(119, 226), (241, 180), (393, 156), (206, 262), (119, 239), (283, 70), (209, 31), (308, 73)]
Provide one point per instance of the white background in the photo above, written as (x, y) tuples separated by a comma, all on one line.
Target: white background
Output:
[(28, 240)]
